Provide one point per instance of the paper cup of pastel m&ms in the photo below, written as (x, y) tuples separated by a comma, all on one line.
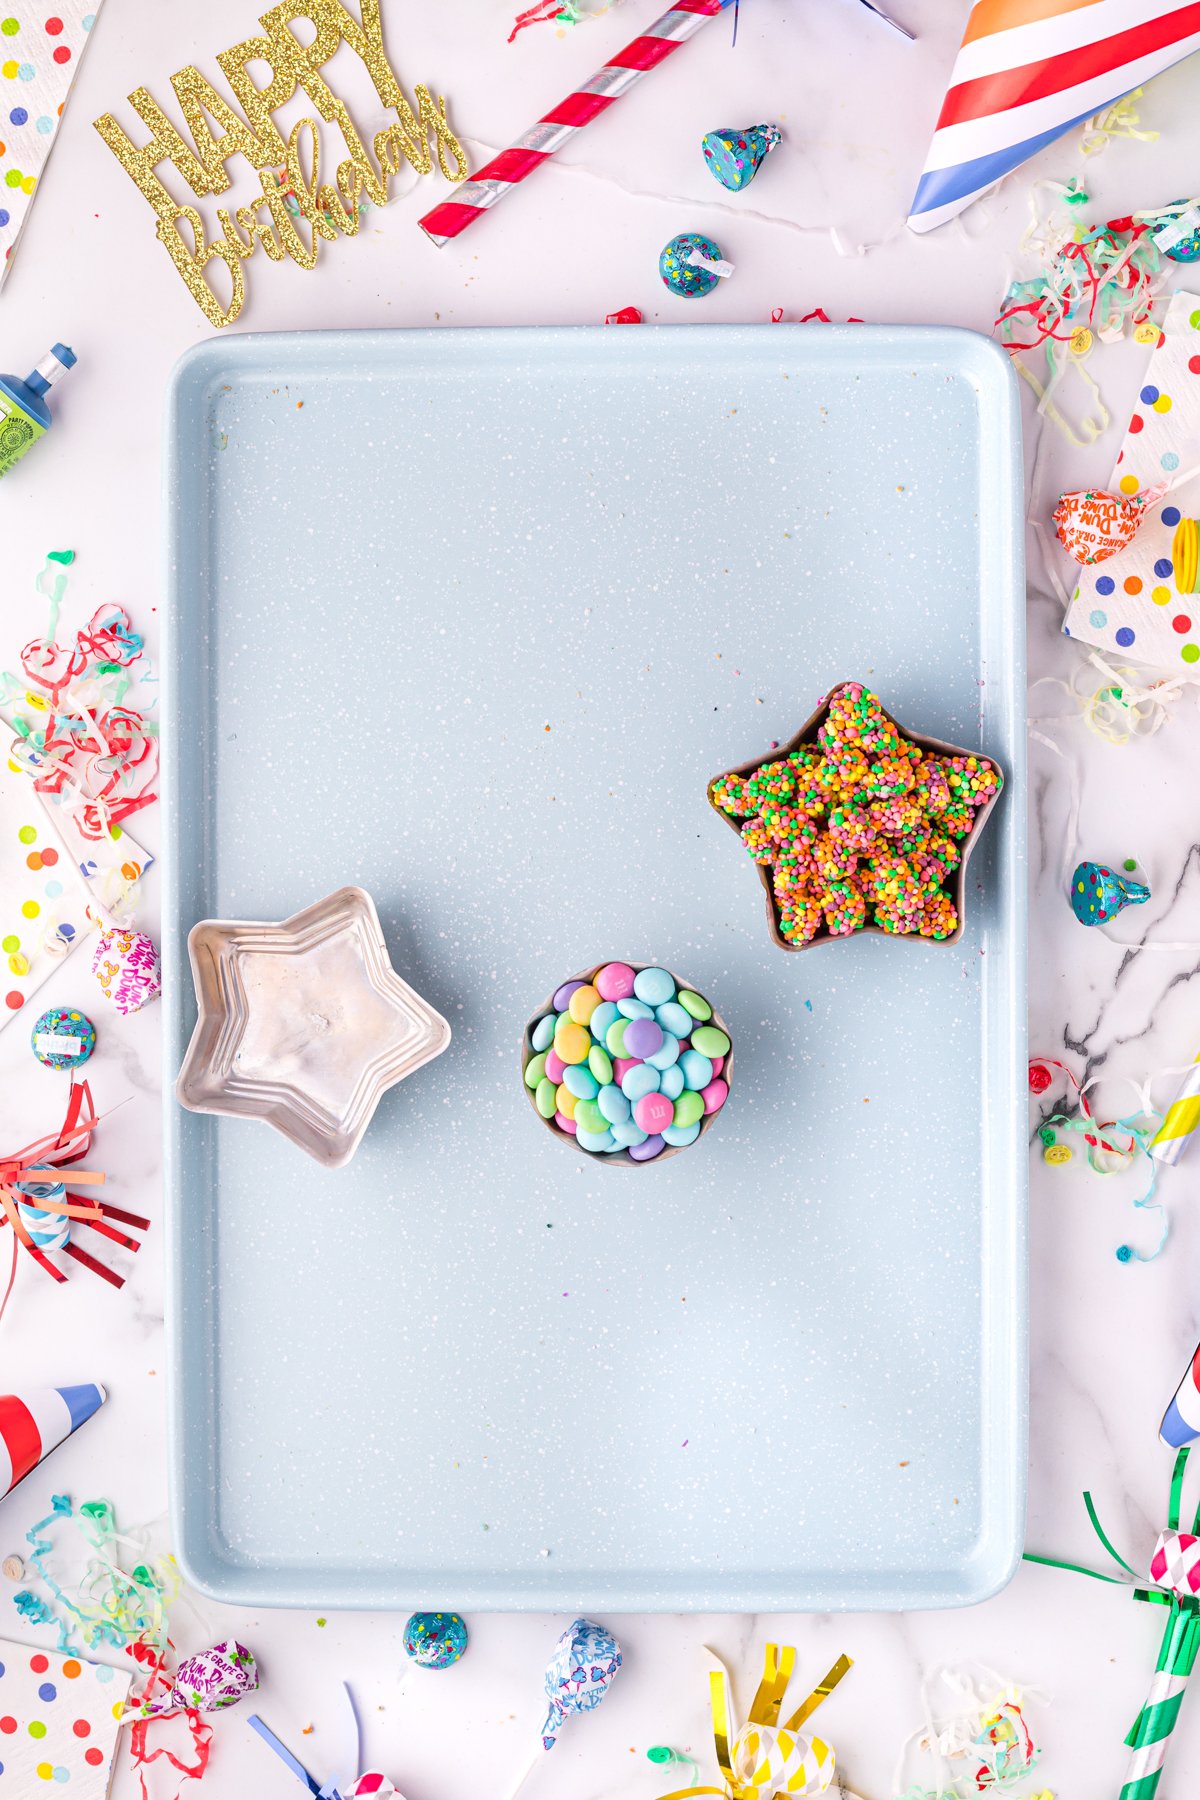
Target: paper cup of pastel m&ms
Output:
[(627, 1063)]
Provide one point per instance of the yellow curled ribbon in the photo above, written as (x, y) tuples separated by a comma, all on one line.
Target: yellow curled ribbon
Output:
[(766, 1758)]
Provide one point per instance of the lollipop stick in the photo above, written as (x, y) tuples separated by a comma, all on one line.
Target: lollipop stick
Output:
[(526, 1772)]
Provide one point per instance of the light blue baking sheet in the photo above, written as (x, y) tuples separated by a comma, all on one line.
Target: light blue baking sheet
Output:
[(470, 618)]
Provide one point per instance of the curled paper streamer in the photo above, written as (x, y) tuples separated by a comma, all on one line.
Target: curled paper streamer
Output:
[(1175, 1575), (579, 1674), (983, 1745), (764, 1757), (208, 1682), (1105, 1155)]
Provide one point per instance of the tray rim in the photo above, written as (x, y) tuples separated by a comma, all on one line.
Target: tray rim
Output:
[(204, 1563)]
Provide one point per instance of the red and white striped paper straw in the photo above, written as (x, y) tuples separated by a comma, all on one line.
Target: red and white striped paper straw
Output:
[(535, 146)]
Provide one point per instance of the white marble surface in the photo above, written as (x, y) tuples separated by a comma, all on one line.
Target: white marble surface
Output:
[(1108, 1341)]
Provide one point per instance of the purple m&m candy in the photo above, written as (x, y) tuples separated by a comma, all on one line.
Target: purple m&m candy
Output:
[(563, 997), (643, 1037), (643, 1152)]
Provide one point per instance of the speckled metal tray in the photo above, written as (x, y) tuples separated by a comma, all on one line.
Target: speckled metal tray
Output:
[(472, 627)]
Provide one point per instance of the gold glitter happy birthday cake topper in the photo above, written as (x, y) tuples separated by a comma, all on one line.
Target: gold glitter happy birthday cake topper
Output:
[(289, 169)]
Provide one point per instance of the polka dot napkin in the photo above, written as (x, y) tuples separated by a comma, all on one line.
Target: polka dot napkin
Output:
[(41, 43), (59, 1719), (1131, 604)]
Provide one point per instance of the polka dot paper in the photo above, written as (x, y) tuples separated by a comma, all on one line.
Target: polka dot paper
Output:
[(59, 1719), (43, 900), (1131, 604), (41, 44)]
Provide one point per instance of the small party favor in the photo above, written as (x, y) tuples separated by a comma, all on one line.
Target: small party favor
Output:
[(1098, 893), (691, 265), (1174, 1583), (1094, 526), (766, 1758), (34, 1423), (63, 1038), (1181, 1421), (734, 157), (127, 966), (1180, 1121), (435, 1640), (1185, 546), (579, 1674), (40, 1209), (207, 1682), (24, 414)]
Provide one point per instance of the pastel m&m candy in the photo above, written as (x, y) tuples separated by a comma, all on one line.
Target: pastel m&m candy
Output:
[(653, 1112), (619, 1063), (614, 981)]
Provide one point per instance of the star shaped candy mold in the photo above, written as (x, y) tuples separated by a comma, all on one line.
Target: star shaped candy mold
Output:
[(856, 825), (304, 1024)]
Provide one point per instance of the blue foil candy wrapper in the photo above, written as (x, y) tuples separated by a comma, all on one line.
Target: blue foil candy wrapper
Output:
[(1098, 893), (435, 1640), (685, 278), (736, 155), (579, 1674)]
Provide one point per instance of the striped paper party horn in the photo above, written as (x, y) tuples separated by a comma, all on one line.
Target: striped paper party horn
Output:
[(1182, 1118), (560, 124), (1154, 1724)]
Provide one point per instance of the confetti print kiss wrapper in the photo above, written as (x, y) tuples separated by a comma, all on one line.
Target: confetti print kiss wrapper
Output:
[(1133, 603), (41, 45)]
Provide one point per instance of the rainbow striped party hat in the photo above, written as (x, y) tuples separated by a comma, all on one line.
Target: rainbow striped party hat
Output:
[(1028, 70), (36, 1422)]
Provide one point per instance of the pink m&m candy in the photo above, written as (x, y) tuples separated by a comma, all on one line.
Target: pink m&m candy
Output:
[(565, 1124), (556, 1068), (714, 1095), (614, 981), (653, 1113), (622, 1066), (718, 1063)]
